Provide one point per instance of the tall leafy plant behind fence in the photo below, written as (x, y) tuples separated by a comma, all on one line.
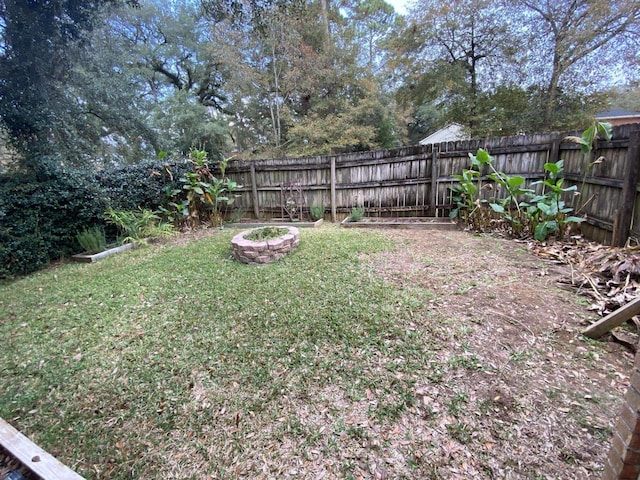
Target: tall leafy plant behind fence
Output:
[(547, 212), (471, 207), (518, 210), (508, 207), (588, 142), (467, 196), (205, 193)]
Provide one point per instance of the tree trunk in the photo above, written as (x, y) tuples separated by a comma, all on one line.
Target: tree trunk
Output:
[(324, 6), (275, 115), (552, 92)]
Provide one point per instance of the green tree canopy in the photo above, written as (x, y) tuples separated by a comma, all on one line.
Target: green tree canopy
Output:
[(39, 42), (578, 42)]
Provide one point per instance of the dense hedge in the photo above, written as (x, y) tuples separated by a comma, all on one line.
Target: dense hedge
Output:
[(41, 213), (142, 185)]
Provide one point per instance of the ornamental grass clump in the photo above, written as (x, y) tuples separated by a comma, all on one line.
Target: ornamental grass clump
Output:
[(316, 211), (92, 240), (356, 214)]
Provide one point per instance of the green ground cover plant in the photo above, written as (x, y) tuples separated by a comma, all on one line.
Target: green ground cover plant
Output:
[(115, 358), (356, 214), (265, 233), (361, 354), (92, 239), (316, 211)]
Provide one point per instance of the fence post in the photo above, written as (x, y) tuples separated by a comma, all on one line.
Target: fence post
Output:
[(434, 179), (623, 460), (628, 190), (254, 191), (554, 151), (334, 218)]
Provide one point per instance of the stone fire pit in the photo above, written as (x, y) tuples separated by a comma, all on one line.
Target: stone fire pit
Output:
[(248, 251)]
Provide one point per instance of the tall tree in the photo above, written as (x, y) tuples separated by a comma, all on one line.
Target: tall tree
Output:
[(292, 87), (453, 52), (259, 62), (373, 21), (577, 37), (39, 43), (166, 51)]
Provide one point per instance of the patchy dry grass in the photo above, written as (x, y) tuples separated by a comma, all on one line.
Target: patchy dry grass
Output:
[(359, 355)]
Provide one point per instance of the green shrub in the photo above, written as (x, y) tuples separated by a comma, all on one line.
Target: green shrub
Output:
[(40, 215), (92, 240), (41, 212), (148, 184), (316, 211), (22, 247), (356, 214)]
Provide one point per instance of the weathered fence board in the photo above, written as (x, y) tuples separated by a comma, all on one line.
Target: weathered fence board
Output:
[(417, 180)]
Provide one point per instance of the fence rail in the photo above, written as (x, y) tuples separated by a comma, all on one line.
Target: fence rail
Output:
[(416, 180)]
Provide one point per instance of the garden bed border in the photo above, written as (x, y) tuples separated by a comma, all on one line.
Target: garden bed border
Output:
[(90, 258), (275, 223), (429, 223), (34, 458)]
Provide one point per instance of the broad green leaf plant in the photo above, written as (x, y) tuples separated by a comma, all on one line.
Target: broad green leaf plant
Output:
[(547, 212), (468, 194), (205, 193), (588, 143), (522, 210)]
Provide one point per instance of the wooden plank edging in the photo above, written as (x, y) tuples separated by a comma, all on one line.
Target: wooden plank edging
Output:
[(90, 258), (613, 320), (43, 464)]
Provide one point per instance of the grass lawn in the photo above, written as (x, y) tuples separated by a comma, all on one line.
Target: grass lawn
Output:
[(175, 361)]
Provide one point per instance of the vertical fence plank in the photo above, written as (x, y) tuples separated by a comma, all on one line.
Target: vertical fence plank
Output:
[(254, 191), (628, 190), (434, 180), (334, 217), (554, 153)]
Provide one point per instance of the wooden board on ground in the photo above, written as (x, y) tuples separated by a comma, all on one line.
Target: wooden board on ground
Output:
[(43, 464), (613, 320), (415, 223)]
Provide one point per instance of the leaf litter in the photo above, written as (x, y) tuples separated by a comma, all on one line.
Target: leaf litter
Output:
[(507, 390), (480, 374), (532, 398), (609, 277)]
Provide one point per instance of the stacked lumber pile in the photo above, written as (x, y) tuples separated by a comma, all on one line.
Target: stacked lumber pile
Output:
[(609, 277)]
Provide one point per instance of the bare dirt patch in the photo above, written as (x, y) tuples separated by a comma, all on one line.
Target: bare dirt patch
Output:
[(515, 392)]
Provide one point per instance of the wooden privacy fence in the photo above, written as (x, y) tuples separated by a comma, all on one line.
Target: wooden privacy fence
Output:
[(416, 181)]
